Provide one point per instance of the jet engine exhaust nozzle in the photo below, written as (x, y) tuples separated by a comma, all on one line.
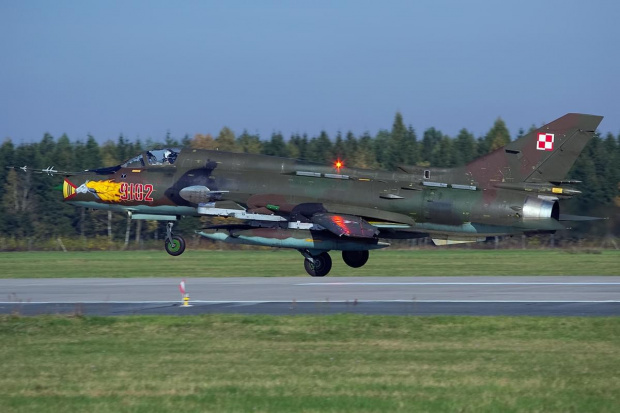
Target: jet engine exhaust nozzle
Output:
[(536, 208)]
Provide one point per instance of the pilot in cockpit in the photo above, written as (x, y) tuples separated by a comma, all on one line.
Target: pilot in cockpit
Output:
[(169, 156), (152, 159)]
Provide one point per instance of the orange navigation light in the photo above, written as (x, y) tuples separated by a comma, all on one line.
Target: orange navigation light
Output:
[(339, 164)]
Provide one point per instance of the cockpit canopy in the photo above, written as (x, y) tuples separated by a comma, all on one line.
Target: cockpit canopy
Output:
[(166, 156)]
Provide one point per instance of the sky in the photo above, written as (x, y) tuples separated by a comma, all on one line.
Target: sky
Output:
[(147, 68)]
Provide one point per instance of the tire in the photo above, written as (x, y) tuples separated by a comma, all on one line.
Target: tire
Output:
[(355, 259), (319, 266), (176, 246)]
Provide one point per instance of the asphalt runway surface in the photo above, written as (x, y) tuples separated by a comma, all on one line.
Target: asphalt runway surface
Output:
[(531, 296)]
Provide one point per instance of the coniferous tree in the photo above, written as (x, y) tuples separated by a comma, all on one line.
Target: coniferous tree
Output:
[(7, 151), (123, 151), (170, 142), (225, 141), (249, 143), (339, 150), (464, 147), (382, 148), (63, 157), (397, 141), (443, 155), (498, 136), (320, 149), (350, 146), (364, 156), (431, 140), (109, 155), (91, 154), (276, 146), (297, 147), (410, 147)]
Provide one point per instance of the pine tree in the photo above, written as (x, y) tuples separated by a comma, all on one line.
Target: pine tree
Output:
[(249, 143), (443, 155), (431, 140), (350, 146), (297, 147), (465, 147), (382, 148), (63, 157), (122, 150), (7, 151), (320, 149), (276, 146), (498, 136), (339, 151), (396, 150), (364, 156), (225, 141), (410, 147), (109, 155)]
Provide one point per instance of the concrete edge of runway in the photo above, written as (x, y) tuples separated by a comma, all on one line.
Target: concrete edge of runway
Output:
[(368, 307)]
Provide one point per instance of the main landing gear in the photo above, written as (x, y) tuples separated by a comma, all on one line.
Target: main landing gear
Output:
[(319, 265), (174, 244), (355, 259)]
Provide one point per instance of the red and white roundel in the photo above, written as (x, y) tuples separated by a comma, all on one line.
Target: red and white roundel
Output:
[(545, 142)]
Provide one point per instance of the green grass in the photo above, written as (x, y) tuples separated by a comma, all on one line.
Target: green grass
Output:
[(306, 363), (278, 263)]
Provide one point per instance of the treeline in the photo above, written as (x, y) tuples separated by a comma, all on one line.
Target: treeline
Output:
[(33, 216)]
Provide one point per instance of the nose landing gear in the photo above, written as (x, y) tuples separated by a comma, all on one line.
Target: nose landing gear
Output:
[(174, 244), (317, 265)]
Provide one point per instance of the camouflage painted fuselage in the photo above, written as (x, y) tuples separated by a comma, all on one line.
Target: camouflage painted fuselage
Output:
[(512, 190)]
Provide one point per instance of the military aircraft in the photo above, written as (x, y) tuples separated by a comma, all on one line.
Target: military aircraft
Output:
[(316, 208)]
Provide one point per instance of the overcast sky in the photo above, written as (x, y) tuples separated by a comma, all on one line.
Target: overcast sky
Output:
[(143, 68)]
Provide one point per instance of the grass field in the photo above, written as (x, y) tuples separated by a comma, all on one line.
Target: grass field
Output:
[(298, 363), (343, 363), (277, 263)]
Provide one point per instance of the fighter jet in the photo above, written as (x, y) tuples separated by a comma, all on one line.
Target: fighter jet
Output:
[(316, 208)]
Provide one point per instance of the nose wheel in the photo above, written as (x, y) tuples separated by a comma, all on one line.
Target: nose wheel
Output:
[(174, 244)]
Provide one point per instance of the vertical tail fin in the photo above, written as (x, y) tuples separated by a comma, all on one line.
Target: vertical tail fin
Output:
[(544, 155)]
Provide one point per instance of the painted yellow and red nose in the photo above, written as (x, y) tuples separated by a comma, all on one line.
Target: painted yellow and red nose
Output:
[(68, 189)]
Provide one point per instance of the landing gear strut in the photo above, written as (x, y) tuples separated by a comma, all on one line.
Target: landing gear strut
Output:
[(174, 244), (317, 265)]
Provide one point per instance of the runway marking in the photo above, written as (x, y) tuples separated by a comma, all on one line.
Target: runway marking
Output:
[(457, 283), (312, 301)]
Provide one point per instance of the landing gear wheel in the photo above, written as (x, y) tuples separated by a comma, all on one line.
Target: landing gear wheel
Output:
[(318, 266), (175, 245), (355, 259)]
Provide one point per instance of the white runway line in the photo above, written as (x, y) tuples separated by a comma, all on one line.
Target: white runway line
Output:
[(236, 302), (456, 283)]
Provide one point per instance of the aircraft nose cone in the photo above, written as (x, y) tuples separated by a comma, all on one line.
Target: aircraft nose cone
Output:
[(68, 189)]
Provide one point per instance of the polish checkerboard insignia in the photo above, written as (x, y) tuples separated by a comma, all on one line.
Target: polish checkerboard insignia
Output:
[(545, 142)]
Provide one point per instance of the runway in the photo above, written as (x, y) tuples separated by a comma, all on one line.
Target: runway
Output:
[(534, 296)]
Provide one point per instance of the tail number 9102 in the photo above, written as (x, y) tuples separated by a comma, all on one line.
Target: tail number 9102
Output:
[(136, 192)]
